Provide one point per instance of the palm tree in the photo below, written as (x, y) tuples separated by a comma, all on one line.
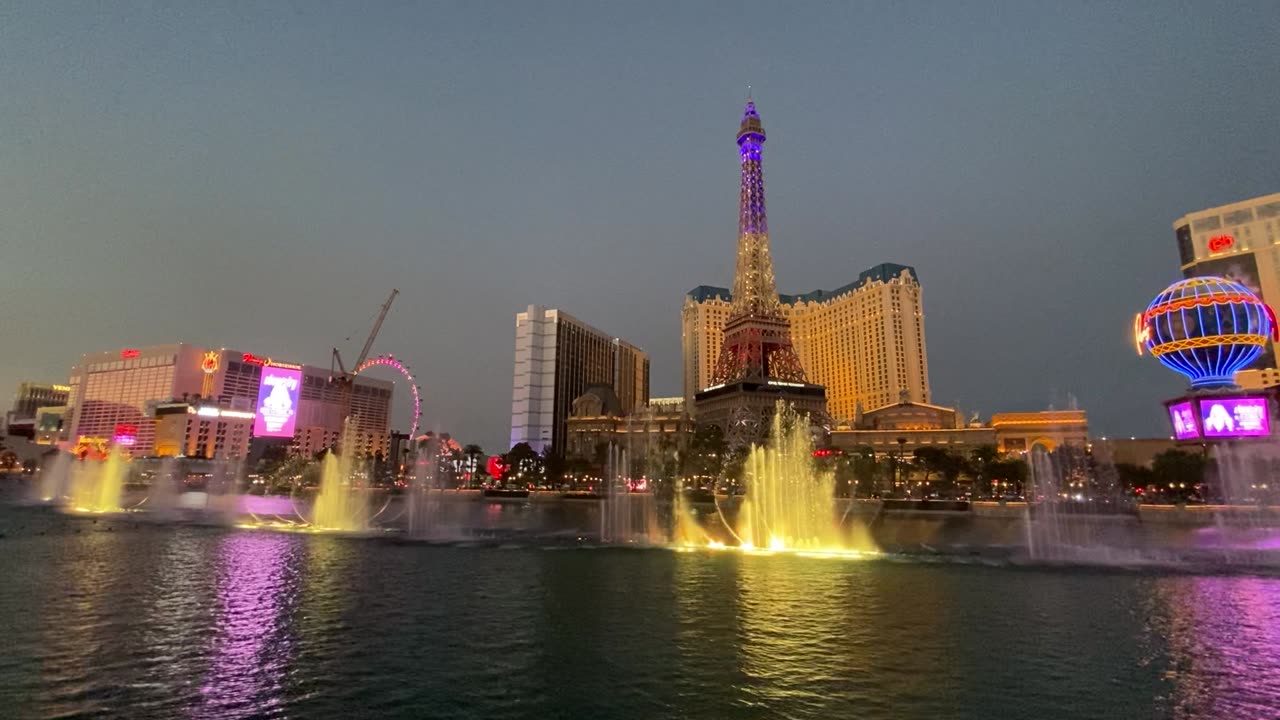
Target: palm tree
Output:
[(474, 456), (984, 457)]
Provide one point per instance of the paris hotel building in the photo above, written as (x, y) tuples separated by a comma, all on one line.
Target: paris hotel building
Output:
[(863, 341)]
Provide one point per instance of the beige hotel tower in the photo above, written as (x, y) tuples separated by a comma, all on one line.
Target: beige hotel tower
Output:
[(863, 341)]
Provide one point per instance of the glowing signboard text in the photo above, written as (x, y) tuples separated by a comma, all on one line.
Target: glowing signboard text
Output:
[(278, 393), (268, 362), (1232, 417)]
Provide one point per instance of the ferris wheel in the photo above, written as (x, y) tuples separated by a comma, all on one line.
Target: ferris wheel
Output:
[(394, 364)]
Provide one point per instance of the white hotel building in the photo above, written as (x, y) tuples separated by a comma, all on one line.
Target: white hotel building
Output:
[(1241, 242), (557, 358)]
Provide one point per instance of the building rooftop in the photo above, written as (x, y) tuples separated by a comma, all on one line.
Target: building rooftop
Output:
[(1270, 203), (884, 272)]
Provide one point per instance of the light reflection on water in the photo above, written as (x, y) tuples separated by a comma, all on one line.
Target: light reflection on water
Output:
[(114, 620), (1223, 645), (252, 651), (789, 622)]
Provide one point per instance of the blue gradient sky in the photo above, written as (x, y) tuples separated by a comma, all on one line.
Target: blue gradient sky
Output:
[(260, 177)]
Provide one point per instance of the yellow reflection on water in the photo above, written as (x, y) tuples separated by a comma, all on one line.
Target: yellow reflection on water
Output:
[(777, 548), (791, 618)]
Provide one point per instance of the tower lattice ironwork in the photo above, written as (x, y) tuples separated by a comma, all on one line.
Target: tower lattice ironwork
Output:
[(757, 338)]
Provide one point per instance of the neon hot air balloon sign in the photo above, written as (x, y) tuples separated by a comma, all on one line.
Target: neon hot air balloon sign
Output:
[(1206, 328)]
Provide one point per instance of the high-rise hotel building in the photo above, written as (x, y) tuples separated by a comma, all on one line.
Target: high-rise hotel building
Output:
[(114, 396), (557, 357), (1240, 242), (28, 403), (863, 341)]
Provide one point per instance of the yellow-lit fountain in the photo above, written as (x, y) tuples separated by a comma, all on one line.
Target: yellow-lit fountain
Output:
[(790, 504), (97, 486), (340, 505)]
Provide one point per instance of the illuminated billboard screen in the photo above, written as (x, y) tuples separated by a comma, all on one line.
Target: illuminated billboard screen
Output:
[(277, 409), (1183, 417), (1235, 417)]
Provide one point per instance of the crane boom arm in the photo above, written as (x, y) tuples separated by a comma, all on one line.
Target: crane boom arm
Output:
[(373, 334)]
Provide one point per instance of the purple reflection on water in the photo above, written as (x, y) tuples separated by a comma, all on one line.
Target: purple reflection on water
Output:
[(1224, 646), (266, 505), (1244, 538), (253, 645)]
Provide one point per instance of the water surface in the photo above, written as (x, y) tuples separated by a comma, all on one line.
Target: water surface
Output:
[(114, 619)]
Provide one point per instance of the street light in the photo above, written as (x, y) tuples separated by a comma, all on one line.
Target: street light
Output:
[(902, 444)]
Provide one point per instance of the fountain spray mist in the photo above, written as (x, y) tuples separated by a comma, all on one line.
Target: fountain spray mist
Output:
[(98, 486), (54, 478)]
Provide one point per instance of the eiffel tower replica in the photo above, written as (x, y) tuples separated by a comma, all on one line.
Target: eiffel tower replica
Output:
[(757, 366)]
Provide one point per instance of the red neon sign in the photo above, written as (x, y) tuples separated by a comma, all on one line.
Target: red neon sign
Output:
[(1218, 243), (130, 354), (126, 434), (496, 467), (268, 362)]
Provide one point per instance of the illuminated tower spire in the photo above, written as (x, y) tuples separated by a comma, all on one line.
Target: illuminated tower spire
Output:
[(757, 367), (757, 339), (754, 290)]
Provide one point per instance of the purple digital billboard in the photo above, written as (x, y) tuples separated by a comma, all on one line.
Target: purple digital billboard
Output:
[(1183, 417), (1235, 417), (277, 410)]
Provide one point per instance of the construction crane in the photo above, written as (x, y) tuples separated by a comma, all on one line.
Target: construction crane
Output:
[(348, 377)]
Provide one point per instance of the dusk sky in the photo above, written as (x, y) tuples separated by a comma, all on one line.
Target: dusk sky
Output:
[(259, 176)]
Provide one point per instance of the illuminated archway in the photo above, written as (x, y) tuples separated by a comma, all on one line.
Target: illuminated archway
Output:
[(1043, 442), (391, 362)]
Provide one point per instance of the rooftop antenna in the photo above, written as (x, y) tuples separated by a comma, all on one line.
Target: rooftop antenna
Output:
[(748, 93)]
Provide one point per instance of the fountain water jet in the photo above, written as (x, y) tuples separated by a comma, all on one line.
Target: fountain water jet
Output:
[(685, 530), (222, 498), (162, 495), (339, 505), (430, 515), (54, 477), (98, 486), (789, 504)]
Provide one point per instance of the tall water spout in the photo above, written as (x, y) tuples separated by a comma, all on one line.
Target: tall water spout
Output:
[(789, 504), (340, 505), (98, 486), (423, 494), (54, 480), (615, 511), (162, 495), (222, 497), (685, 530)]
